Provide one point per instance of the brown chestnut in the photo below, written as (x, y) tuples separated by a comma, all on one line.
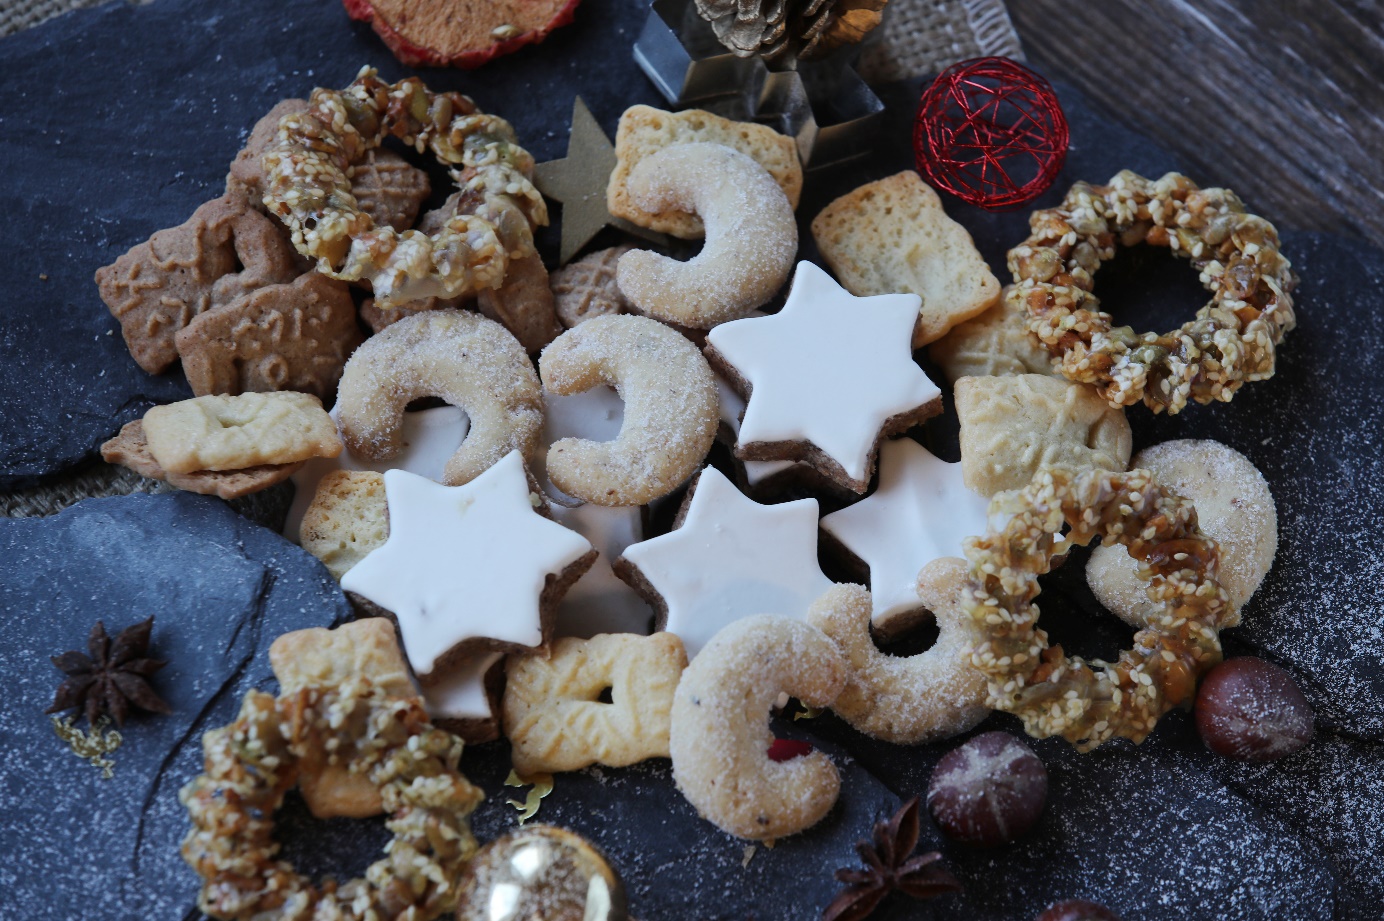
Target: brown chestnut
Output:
[(989, 791), (1077, 910), (1252, 710)]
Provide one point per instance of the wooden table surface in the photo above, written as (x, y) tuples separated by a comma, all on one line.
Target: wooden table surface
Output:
[(1280, 100)]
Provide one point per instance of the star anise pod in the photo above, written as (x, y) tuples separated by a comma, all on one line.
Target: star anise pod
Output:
[(890, 866), (110, 676)]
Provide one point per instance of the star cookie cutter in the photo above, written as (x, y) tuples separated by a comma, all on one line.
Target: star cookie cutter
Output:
[(825, 106)]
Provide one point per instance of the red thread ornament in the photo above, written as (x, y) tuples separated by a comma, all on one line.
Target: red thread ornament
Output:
[(991, 132)]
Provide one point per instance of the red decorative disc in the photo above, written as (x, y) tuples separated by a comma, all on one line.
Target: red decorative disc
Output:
[(991, 132)]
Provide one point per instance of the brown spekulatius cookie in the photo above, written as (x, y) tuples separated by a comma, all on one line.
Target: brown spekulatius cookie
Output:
[(224, 251), (586, 289), (285, 337), (130, 449), (386, 186)]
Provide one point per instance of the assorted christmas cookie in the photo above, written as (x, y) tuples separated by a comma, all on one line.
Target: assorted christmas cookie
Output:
[(469, 567), (826, 378), (921, 511), (1234, 508), (728, 558), (892, 237), (993, 344), (1014, 426)]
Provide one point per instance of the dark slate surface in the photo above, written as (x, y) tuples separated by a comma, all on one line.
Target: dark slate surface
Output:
[(1163, 831)]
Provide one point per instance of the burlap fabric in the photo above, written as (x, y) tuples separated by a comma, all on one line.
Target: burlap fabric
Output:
[(917, 37)]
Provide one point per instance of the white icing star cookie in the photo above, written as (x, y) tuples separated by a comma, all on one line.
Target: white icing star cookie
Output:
[(730, 558), (468, 567), (732, 408), (827, 377), (921, 511)]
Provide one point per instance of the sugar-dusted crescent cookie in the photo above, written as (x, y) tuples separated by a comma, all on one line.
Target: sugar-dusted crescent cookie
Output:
[(719, 735), (226, 249), (235, 432), (751, 236), (1234, 508), (1011, 426), (671, 409), (467, 360), (321, 658), (644, 130), (131, 449), (554, 717), (933, 695), (347, 520), (892, 236), (469, 568), (993, 344), (827, 377), (281, 337)]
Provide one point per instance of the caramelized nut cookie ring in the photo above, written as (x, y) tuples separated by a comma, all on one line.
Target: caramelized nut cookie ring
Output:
[(254, 761), (1057, 695), (308, 171), (1230, 341), (469, 361)]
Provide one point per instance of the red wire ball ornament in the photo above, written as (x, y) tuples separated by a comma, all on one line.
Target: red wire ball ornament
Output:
[(991, 132)]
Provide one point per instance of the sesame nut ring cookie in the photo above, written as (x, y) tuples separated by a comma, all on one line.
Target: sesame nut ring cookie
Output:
[(308, 172), (1057, 695), (254, 761), (1231, 340)]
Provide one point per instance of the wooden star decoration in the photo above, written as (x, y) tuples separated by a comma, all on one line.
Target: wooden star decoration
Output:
[(579, 182)]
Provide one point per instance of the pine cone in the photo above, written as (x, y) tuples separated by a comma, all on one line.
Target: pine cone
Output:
[(789, 29)]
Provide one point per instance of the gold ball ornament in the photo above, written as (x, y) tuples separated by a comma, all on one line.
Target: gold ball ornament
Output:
[(541, 872)]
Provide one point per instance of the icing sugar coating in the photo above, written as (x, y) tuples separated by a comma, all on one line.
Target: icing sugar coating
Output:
[(670, 409), (730, 558), (460, 694), (913, 699), (829, 372), (469, 361), (732, 408), (921, 511), (719, 734), (465, 565), (428, 438), (751, 236)]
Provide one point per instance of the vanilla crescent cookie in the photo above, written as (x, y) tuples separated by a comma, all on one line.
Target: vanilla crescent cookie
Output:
[(751, 236), (671, 409), (1234, 508), (469, 361), (719, 736), (933, 695)]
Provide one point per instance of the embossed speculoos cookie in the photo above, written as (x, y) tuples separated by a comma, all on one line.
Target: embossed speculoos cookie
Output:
[(284, 337), (554, 717), (586, 289), (225, 250), (993, 344), (234, 432), (131, 449), (1012, 426)]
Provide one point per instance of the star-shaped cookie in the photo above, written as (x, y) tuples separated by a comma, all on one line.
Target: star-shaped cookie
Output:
[(729, 558), (826, 377), (469, 567), (921, 511)]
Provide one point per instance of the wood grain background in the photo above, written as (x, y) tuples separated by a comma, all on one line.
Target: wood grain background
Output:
[(1280, 100)]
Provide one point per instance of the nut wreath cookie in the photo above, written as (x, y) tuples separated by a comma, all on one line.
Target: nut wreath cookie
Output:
[(471, 362), (1057, 695), (848, 379), (226, 249), (1231, 340), (719, 736), (1234, 508), (553, 715), (670, 417), (307, 186), (751, 236), (933, 695), (252, 763)]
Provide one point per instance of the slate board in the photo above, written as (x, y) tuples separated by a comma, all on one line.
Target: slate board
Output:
[(1162, 831)]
